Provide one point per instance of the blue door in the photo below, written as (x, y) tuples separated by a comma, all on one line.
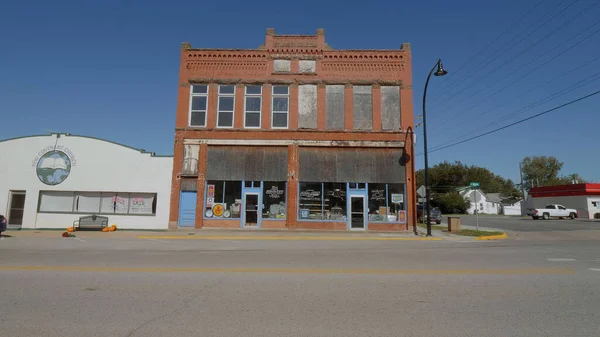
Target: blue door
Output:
[(187, 209)]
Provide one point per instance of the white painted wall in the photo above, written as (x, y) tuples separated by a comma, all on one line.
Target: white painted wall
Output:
[(580, 203), (514, 209), (484, 206), (97, 165), (594, 209)]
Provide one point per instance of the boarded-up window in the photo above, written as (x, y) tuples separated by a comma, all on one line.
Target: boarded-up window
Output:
[(308, 66), (246, 163), (189, 184), (390, 107), (363, 107), (190, 160), (370, 165), (335, 107), (282, 66), (307, 106)]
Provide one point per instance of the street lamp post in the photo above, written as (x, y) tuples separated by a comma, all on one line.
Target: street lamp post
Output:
[(439, 72)]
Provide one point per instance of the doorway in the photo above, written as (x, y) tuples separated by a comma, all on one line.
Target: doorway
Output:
[(16, 209), (187, 208), (357, 212), (251, 210)]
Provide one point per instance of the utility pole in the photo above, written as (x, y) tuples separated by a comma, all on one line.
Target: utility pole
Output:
[(521, 174)]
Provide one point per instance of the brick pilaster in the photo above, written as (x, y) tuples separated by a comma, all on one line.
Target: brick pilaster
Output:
[(292, 187), (176, 181), (376, 107), (202, 152), (348, 107)]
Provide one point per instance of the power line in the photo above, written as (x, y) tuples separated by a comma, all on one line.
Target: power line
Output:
[(565, 50), (532, 61), (486, 63), (493, 41), (536, 87), (562, 92), (515, 123)]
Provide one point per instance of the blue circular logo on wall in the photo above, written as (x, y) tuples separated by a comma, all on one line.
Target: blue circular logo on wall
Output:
[(53, 167)]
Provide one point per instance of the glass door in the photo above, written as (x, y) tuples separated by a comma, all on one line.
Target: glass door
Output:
[(251, 209), (16, 201), (357, 212)]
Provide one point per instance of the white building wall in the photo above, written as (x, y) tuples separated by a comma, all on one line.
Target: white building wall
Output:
[(580, 203), (484, 206), (594, 207), (97, 165)]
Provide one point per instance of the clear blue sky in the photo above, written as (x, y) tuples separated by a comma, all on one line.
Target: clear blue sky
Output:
[(109, 68)]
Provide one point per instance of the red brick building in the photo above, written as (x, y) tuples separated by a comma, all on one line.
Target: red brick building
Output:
[(294, 134)]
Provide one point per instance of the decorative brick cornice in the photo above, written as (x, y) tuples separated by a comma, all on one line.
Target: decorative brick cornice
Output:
[(291, 81), (365, 55)]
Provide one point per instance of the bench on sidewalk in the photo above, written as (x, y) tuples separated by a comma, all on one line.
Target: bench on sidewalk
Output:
[(91, 222)]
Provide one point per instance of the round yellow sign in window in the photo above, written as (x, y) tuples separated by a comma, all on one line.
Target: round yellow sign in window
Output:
[(218, 210)]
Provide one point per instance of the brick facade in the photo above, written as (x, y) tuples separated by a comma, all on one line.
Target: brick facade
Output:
[(241, 68)]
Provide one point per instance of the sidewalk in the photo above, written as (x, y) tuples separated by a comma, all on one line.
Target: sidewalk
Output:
[(247, 234), (240, 234)]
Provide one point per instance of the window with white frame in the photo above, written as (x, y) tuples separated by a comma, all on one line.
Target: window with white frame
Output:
[(281, 107), (225, 106), (198, 104), (97, 202), (252, 108)]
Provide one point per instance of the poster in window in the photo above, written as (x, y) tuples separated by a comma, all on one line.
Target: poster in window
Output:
[(397, 198), (402, 216), (141, 203), (121, 203)]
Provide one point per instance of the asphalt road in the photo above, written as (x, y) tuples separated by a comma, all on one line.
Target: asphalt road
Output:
[(168, 287), (520, 224)]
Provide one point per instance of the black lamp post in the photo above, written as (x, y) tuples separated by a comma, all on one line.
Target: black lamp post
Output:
[(439, 72)]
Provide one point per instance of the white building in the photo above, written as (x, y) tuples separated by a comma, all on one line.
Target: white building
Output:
[(489, 203), (482, 202), (50, 181), (585, 198)]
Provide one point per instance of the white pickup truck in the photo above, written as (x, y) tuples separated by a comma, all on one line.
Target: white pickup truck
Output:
[(552, 211)]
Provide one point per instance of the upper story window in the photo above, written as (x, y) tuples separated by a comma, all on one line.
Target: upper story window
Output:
[(282, 66), (308, 66), (198, 103), (253, 106), (281, 107), (225, 106)]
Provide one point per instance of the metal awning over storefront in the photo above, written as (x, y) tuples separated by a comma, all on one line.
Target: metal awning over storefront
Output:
[(370, 165), (247, 163)]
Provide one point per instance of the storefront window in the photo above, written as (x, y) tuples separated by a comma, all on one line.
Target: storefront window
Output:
[(334, 202), (378, 210), (396, 200), (311, 201), (274, 206), (223, 199)]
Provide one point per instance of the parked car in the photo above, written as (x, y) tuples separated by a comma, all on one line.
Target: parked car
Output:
[(552, 211), (436, 214), (3, 223)]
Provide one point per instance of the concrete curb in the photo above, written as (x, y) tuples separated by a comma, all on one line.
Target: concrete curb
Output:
[(285, 238), (492, 237)]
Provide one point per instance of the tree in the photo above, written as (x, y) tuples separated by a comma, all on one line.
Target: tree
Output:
[(544, 171), (451, 203), (446, 177)]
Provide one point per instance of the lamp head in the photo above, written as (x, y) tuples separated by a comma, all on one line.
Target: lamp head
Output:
[(440, 69)]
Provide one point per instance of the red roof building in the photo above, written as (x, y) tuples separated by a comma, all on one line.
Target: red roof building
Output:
[(583, 197)]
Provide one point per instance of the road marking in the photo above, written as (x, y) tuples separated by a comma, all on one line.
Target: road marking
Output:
[(560, 260), (158, 240), (595, 269), (229, 241), (288, 238), (527, 271), (78, 239)]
